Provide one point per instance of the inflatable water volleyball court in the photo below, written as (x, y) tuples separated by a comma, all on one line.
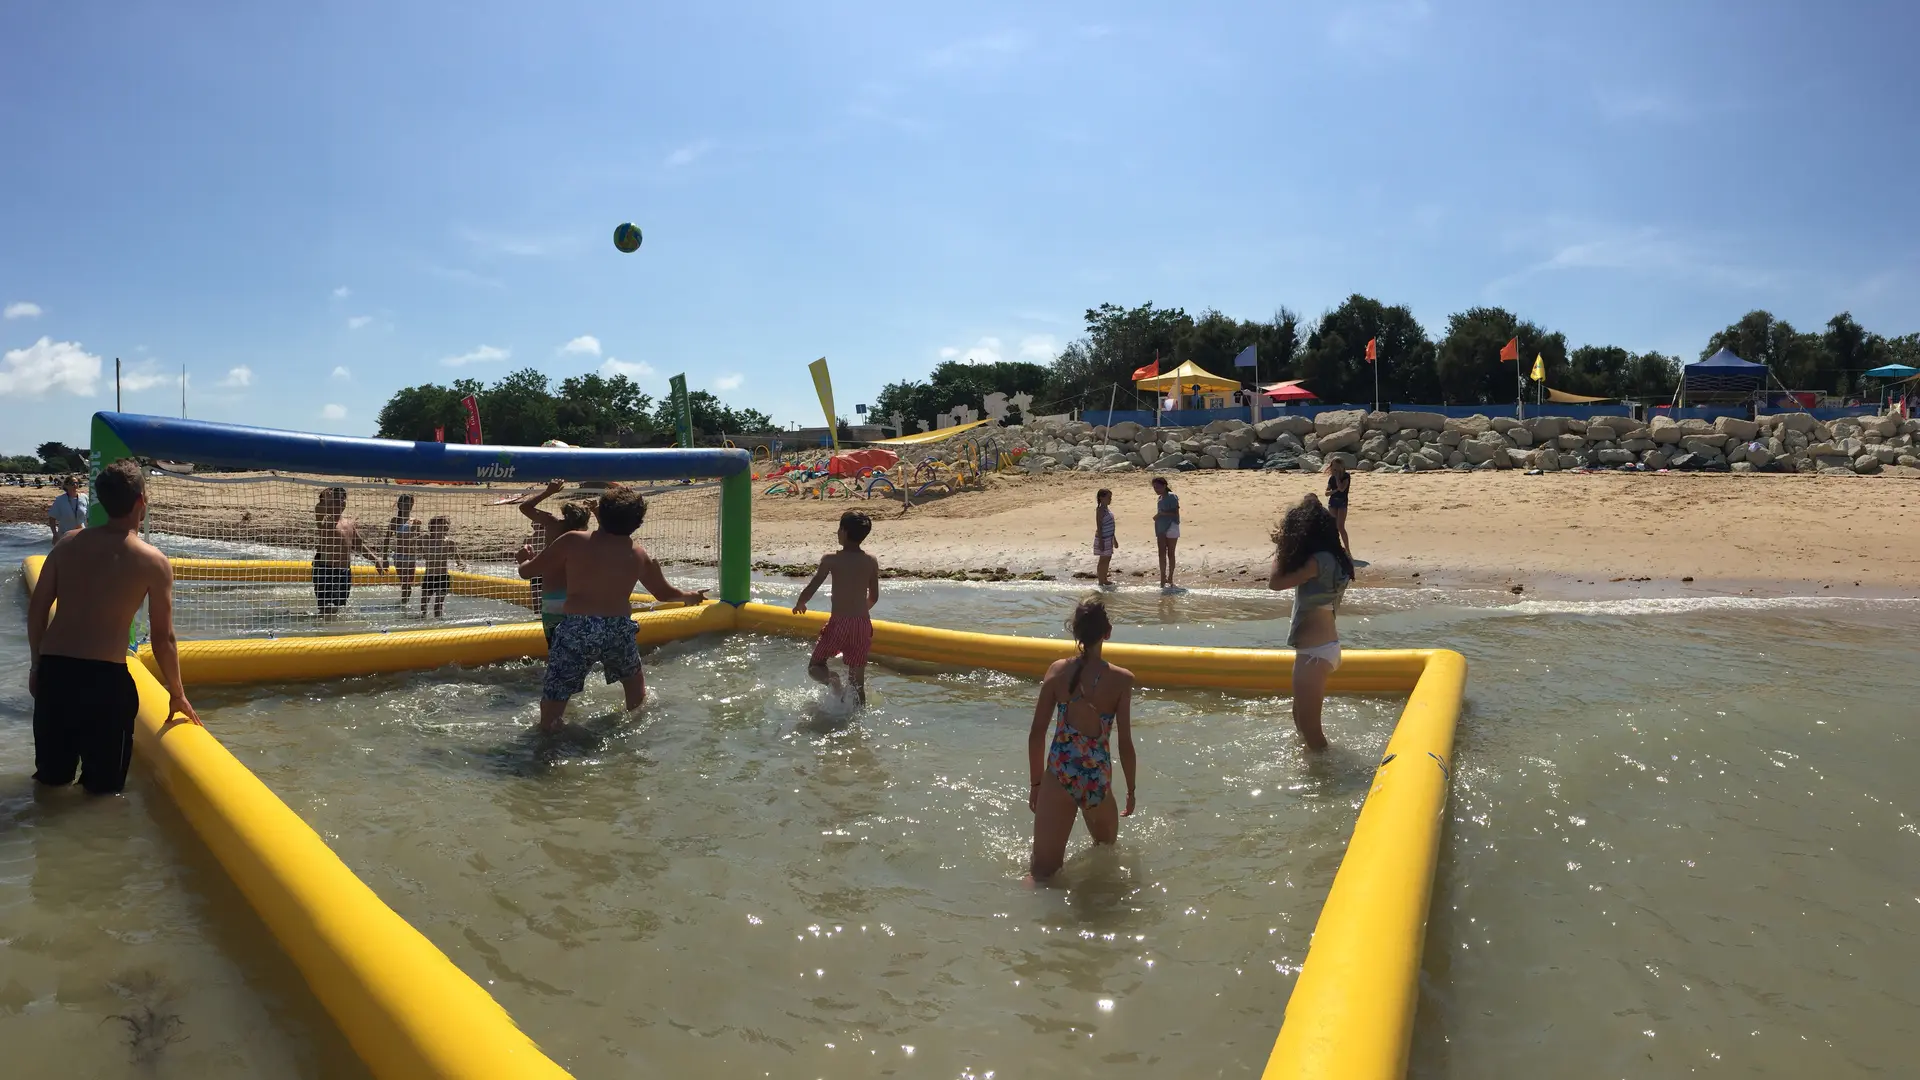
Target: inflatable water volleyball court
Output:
[(245, 614)]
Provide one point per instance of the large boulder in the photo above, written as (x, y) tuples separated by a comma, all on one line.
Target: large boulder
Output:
[(1516, 458), (1340, 439), (1282, 425), (1570, 441), (1758, 455), (1289, 442), (1519, 436), (1662, 429), (1468, 425), (1420, 421), (1339, 419), (1546, 458), (1150, 451), (1615, 457), (1695, 427), (1792, 421), (1374, 446), (1638, 446), (1733, 427), (1240, 439), (1866, 464), (1654, 459), (1380, 421), (1477, 452), (1601, 432), (1542, 428), (1503, 424), (1704, 445), (1219, 426)]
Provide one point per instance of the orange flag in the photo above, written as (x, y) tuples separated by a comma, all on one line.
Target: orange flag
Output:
[(1373, 351), (1511, 350)]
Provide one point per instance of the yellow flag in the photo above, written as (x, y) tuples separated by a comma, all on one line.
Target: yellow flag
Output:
[(1539, 368), (824, 387)]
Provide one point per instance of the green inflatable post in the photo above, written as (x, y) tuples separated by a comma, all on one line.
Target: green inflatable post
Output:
[(107, 448), (736, 538)]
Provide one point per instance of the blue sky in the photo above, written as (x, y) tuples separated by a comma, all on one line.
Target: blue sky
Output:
[(312, 208)]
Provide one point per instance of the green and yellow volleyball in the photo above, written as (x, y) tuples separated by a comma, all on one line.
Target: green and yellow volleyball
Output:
[(626, 237)]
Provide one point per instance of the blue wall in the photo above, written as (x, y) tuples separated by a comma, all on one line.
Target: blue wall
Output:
[(1702, 412)]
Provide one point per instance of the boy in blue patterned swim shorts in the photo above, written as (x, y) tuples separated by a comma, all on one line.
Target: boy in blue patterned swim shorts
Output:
[(596, 624)]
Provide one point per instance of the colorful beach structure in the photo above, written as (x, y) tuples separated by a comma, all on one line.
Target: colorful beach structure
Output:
[(409, 1012)]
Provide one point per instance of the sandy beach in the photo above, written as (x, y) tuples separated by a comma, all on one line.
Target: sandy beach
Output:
[(1554, 534)]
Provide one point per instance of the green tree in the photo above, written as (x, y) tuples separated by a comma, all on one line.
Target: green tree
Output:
[(1119, 341), (712, 419), (1214, 341), (1651, 378), (600, 410), (1468, 361), (415, 411), (1798, 361), (20, 463), (956, 382), (1334, 362), (59, 457)]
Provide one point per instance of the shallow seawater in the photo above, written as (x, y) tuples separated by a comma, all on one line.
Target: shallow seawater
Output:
[(1681, 842)]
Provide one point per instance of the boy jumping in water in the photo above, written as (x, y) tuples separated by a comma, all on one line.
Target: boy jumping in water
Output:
[(596, 623), (551, 589), (856, 588), (84, 699)]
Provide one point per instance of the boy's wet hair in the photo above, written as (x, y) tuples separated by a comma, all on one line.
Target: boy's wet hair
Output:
[(575, 515), (119, 487), (621, 510), (406, 498), (440, 523), (856, 525), (1103, 493)]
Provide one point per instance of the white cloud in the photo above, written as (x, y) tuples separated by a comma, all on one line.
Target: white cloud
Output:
[(1390, 28), (1041, 348), (987, 350), (333, 412), (729, 382), (1644, 250), (357, 321), (637, 371), (485, 354), (135, 381), (993, 50), (585, 344), (21, 309), (690, 153), (48, 365), (466, 277), (238, 377), (342, 293), (342, 373)]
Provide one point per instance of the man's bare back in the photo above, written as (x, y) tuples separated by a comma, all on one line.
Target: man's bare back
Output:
[(100, 578), (602, 569)]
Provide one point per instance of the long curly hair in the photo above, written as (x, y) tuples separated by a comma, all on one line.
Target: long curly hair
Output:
[(1309, 527)]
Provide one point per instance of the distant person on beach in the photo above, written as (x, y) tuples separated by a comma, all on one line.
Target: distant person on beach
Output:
[(1103, 533), (436, 550), (84, 699), (596, 624), (1339, 483), (550, 590), (337, 537), (402, 544), (1166, 528), (1087, 699), (69, 511), (1309, 558), (856, 588)]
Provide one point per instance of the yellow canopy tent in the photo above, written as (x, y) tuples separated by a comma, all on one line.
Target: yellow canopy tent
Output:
[(925, 437), (1565, 398), (1183, 379)]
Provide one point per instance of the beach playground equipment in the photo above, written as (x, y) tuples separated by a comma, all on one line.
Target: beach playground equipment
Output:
[(403, 1006)]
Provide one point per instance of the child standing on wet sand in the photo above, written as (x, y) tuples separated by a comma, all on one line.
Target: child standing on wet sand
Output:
[(1103, 541), (856, 588), (435, 551)]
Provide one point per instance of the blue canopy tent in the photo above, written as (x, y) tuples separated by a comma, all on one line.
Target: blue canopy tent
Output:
[(1721, 375)]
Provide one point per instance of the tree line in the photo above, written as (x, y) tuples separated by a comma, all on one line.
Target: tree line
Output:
[(524, 408), (48, 457), (1329, 356)]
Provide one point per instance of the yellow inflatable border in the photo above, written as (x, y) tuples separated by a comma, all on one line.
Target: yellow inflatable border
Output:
[(409, 1012)]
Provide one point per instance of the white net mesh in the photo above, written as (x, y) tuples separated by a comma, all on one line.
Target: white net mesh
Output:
[(244, 548)]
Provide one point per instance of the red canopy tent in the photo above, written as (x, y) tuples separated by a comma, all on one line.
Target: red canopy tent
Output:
[(851, 462), (1289, 391)]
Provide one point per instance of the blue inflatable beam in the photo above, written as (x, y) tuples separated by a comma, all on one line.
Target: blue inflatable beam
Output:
[(235, 446)]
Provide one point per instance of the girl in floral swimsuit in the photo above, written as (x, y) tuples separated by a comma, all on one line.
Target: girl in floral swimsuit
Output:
[(1087, 699)]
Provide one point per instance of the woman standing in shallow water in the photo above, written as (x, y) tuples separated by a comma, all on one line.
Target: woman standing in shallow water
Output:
[(1310, 559)]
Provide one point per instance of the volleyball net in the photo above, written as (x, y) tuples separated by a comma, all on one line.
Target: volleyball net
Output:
[(277, 533)]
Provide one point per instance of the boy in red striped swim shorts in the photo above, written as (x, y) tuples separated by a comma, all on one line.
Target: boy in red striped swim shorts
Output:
[(856, 588)]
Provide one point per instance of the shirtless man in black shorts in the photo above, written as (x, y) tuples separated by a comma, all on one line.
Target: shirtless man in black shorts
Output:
[(84, 699), (336, 538)]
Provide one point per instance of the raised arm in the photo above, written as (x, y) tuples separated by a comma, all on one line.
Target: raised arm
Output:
[(1278, 580), (1123, 727), (166, 649), (656, 583), (806, 594), (1037, 738), (531, 508)]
